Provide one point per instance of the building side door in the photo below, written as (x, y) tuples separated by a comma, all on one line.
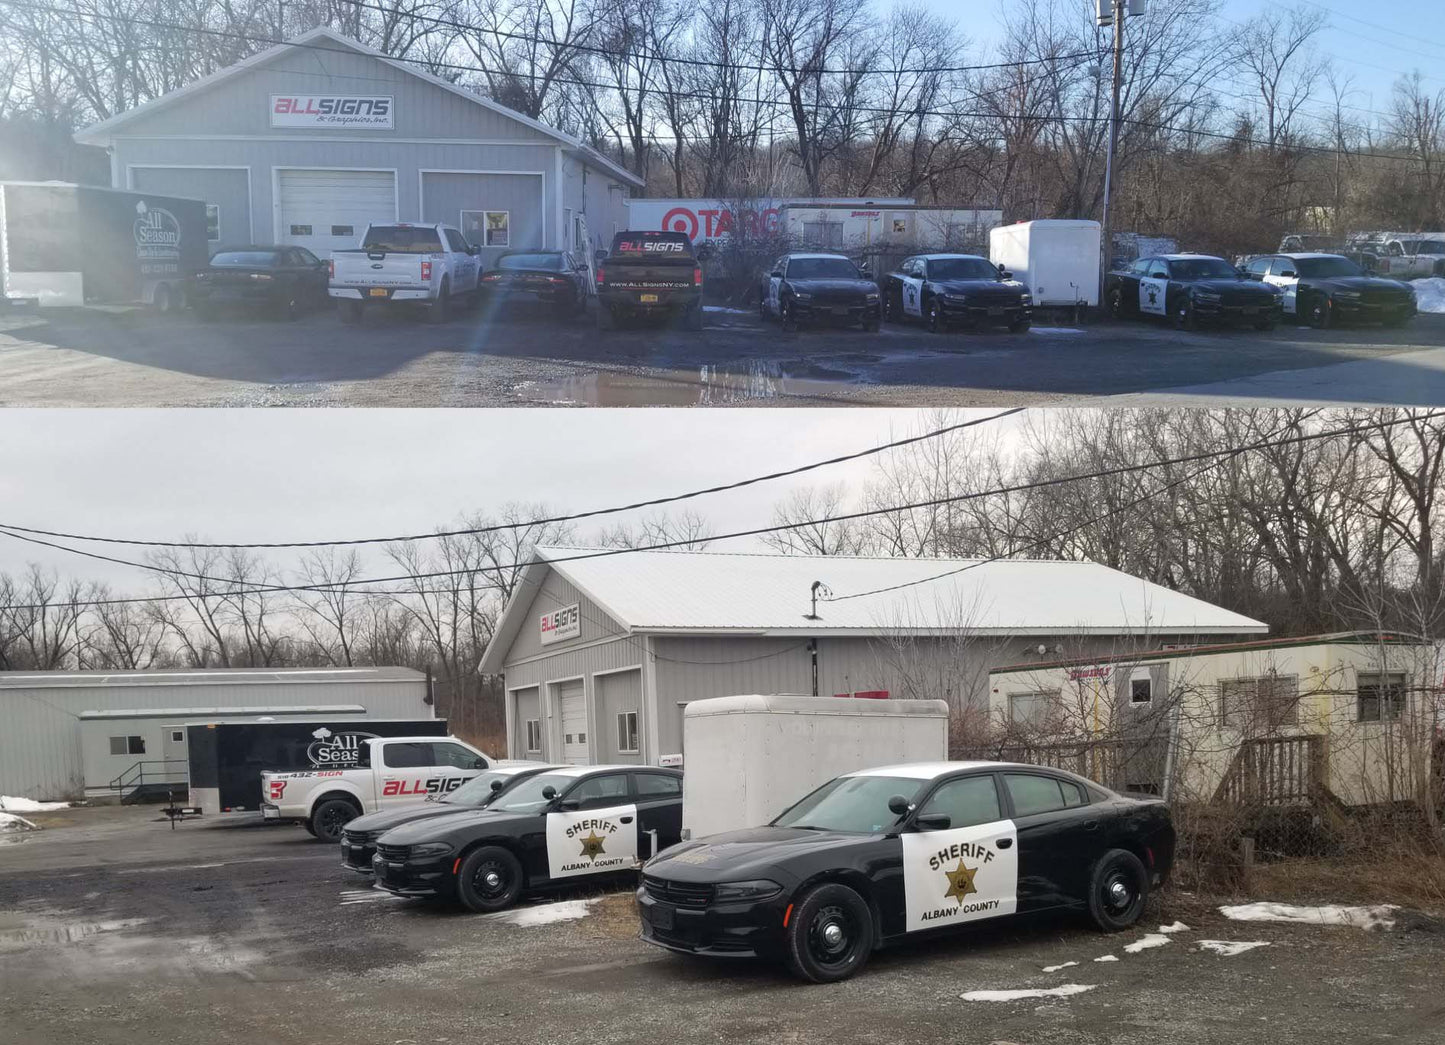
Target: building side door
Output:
[(173, 751), (572, 708)]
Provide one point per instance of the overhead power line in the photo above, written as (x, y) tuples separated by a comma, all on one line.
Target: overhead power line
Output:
[(593, 513), (354, 586)]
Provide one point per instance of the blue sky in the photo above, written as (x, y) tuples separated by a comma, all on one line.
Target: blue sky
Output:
[(1373, 42)]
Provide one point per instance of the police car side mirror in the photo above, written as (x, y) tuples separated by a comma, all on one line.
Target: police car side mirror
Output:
[(549, 792), (933, 822), (496, 785), (1003, 273), (776, 273), (898, 805)]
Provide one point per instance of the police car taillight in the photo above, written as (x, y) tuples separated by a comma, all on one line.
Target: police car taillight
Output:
[(426, 270), (697, 275)]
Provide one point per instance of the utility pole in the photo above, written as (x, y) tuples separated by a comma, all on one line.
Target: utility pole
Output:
[(1113, 11)]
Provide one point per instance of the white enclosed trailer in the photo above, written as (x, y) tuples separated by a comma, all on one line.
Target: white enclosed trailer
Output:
[(750, 757), (1056, 259)]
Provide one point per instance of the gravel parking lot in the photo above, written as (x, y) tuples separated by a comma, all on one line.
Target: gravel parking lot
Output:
[(113, 928), (133, 358)]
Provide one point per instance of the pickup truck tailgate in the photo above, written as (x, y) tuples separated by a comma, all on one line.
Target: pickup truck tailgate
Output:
[(647, 275), (376, 269)]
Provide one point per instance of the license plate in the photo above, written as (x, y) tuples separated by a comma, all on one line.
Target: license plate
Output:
[(378, 292), (661, 917), (647, 299), (996, 311)]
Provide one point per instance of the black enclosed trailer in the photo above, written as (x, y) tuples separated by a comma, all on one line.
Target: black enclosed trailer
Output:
[(227, 758), (63, 244)]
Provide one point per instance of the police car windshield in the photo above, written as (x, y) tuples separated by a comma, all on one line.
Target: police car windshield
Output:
[(1319, 268), (552, 262), (1202, 268), (852, 804), (396, 239), (478, 790), (526, 797), (961, 268), (822, 268)]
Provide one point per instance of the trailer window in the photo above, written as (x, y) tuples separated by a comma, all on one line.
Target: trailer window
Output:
[(127, 745), (1379, 698), (1259, 704)]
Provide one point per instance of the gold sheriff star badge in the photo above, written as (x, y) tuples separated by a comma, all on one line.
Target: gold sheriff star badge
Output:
[(960, 882), (592, 846)]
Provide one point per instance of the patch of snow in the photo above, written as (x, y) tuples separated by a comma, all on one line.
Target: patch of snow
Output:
[(1229, 948), (1429, 294), (1056, 968), (11, 822), (373, 895), (1066, 991), (730, 311), (544, 914), (1145, 942), (9, 804), (1177, 927), (1381, 915), (1055, 331), (1107, 958)]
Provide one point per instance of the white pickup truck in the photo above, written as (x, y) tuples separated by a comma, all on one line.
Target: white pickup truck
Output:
[(1403, 255), (392, 771), (431, 265)]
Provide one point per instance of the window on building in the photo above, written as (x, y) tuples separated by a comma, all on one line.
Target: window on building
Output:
[(1141, 686), (1259, 704), (127, 745), (627, 733), (487, 228), (343, 230), (213, 222), (1033, 710), (1379, 697), (534, 735), (300, 230), (178, 736)]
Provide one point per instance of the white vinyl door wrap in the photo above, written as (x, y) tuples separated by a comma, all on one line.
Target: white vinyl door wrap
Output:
[(960, 875), (1152, 294), (594, 841), (573, 705), (329, 210)]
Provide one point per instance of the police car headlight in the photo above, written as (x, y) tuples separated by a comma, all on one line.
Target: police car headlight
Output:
[(761, 889), (871, 295), (1204, 295), (801, 296), (431, 849)]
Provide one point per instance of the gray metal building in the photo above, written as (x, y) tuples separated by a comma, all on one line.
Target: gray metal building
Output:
[(601, 654), (67, 734), (308, 142)]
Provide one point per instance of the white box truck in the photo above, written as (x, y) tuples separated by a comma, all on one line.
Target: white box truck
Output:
[(750, 757), (1056, 259)]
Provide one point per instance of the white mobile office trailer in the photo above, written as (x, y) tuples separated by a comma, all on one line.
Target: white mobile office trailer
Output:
[(1056, 259), (896, 229), (750, 757)]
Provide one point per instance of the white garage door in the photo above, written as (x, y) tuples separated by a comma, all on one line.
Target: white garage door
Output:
[(329, 210), (575, 748)]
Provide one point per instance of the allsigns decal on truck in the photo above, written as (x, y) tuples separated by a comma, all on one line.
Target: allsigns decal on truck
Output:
[(960, 875), (592, 841), (561, 624), (324, 110)]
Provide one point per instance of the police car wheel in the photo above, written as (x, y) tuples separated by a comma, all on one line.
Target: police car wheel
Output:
[(1116, 304), (935, 317), (330, 817), (1118, 890), (489, 879), (786, 316), (1320, 312), (830, 934)]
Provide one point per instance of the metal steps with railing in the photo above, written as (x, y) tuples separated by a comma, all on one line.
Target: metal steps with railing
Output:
[(150, 778)]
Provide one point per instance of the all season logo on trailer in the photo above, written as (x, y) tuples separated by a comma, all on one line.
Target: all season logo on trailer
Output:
[(330, 110), (157, 233), (337, 749)]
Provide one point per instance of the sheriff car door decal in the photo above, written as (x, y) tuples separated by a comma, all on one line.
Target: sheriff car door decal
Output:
[(1152, 294), (912, 294), (960, 875), (592, 841)]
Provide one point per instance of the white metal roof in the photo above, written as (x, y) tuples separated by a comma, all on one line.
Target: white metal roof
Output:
[(241, 712), (792, 703), (767, 594), (214, 677)]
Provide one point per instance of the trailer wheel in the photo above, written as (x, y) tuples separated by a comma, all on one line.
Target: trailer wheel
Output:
[(161, 298), (330, 817), (489, 879)]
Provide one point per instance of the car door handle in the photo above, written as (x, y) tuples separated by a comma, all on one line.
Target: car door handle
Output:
[(1005, 843), (626, 819), (1090, 825)]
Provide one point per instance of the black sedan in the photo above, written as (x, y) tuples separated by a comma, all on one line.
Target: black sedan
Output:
[(358, 838), (579, 822), (1324, 289), (1190, 289), (945, 290), (556, 279), (876, 857), (282, 281), (814, 288)]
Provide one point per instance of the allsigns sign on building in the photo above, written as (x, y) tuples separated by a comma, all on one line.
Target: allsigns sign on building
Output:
[(562, 624), (332, 110)]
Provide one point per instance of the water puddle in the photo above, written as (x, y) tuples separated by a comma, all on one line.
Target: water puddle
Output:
[(746, 381), (46, 930)]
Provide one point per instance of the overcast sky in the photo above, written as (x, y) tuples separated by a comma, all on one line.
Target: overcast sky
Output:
[(275, 475)]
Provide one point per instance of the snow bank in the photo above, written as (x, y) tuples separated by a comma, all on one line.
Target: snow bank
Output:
[(1429, 294), (1381, 915), (544, 914), (1056, 968), (1146, 942), (11, 822), (1229, 948), (1177, 927), (1067, 990), (28, 805), (1107, 958)]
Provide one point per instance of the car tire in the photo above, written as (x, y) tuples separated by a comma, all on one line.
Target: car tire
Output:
[(936, 321), (489, 879), (1319, 314), (1116, 303), (330, 817), (786, 315), (349, 310), (1187, 320), (871, 324), (441, 308), (829, 935), (290, 309), (1118, 890), (310, 827), (763, 306)]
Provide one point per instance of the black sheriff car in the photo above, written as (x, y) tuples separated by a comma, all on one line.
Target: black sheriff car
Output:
[(557, 280), (1190, 289), (358, 837), (557, 827), (879, 856), (813, 288), (1324, 289), (945, 290)]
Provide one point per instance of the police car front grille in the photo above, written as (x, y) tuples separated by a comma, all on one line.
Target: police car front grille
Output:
[(359, 837), (992, 300), (393, 852), (683, 894)]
